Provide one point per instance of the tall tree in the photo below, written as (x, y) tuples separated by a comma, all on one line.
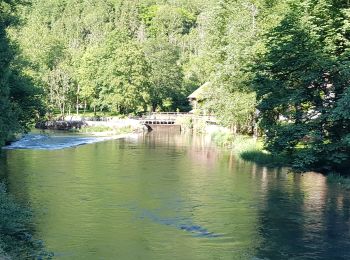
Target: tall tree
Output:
[(165, 73), (19, 99), (302, 85)]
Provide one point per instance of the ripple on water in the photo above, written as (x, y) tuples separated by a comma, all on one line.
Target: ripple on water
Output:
[(53, 142), (184, 224)]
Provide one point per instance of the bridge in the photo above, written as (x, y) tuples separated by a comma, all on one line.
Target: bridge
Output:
[(169, 120)]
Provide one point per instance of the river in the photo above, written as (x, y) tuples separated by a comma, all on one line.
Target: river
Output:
[(169, 196)]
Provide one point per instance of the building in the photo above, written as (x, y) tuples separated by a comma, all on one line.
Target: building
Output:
[(198, 97)]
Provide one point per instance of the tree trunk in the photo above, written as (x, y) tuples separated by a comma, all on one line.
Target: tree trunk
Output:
[(255, 130), (63, 110), (77, 101), (85, 106), (235, 129)]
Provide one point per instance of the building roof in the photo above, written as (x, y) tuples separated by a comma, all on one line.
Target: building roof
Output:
[(199, 93)]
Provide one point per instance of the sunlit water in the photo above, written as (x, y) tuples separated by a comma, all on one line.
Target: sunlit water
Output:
[(53, 141), (166, 196)]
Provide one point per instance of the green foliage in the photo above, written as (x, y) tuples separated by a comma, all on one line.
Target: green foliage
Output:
[(199, 125), (282, 63), (167, 21), (108, 130), (165, 75), (233, 41), (95, 129), (302, 86), (123, 75), (16, 240), (20, 101), (222, 138), (238, 143), (249, 149), (232, 108), (265, 158), (117, 56)]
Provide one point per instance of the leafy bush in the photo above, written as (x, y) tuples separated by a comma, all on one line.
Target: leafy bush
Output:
[(264, 158), (222, 138), (249, 149)]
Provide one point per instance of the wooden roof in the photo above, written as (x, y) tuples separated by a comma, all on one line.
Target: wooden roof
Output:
[(199, 93)]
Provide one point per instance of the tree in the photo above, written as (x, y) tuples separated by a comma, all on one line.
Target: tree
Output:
[(302, 83), (123, 74), (19, 98), (165, 73)]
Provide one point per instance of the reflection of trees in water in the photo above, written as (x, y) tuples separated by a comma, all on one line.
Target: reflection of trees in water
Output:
[(280, 219), (199, 148), (336, 224), (16, 161), (301, 217), (3, 169)]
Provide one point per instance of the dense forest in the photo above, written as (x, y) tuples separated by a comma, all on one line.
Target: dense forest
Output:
[(282, 64)]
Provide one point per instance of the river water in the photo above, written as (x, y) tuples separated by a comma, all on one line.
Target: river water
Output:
[(168, 196)]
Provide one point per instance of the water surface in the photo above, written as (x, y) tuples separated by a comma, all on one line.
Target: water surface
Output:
[(166, 196)]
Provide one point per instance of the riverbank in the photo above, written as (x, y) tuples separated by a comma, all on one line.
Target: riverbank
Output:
[(251, 150), (110, 126), (246, 147), (17, 240)]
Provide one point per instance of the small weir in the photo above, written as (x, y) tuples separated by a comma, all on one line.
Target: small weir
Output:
[(170, 120), (162, 121)]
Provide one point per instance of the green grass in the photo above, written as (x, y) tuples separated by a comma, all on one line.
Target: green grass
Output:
[(239, 143), (102, 129), (264, 158), (95, 129), (124, 130), (223, 139), (249, 149)]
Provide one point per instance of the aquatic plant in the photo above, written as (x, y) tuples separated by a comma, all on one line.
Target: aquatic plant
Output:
[(16, 239)]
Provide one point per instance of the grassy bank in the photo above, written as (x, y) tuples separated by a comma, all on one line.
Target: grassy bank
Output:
[(249, 149), (252, 150), (16, 239), (105, 130)]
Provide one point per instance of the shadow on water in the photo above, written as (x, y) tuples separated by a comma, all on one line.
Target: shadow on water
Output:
[(304, 220)]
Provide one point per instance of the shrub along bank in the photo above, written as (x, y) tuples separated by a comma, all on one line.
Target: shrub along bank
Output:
[(249, 149)]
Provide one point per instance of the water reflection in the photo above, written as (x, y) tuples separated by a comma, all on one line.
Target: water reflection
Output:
[(166, 196), (299, 219)]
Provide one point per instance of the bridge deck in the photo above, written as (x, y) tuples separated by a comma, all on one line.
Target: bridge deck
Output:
[(169, 118), (157, 121)]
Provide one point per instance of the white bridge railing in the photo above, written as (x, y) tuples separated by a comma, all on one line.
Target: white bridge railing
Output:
[(169, 118)]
